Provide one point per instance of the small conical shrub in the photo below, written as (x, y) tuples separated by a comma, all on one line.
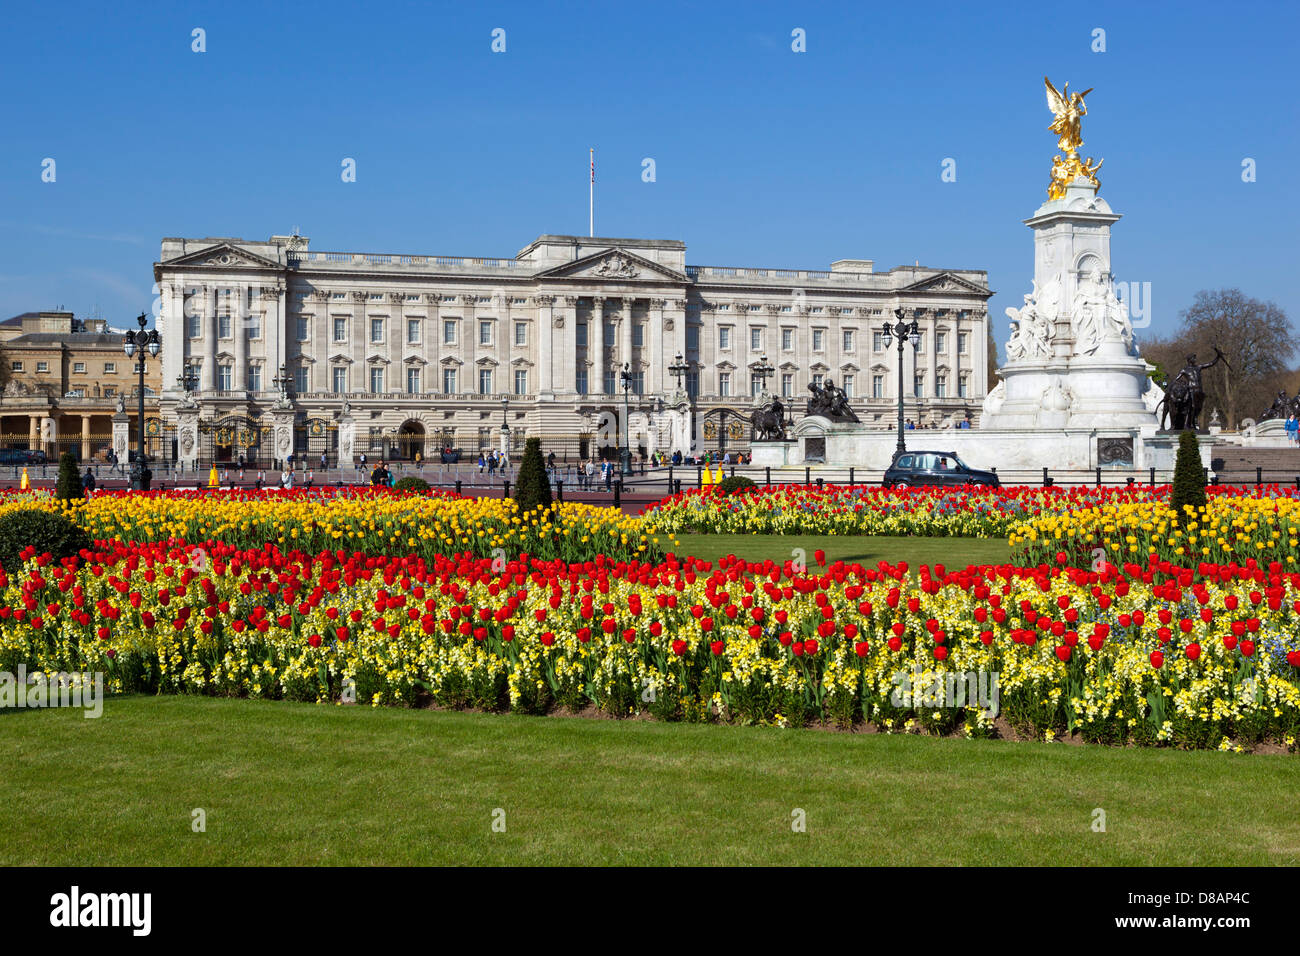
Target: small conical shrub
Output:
[(69, 484), (1189, 477), (534, 488)]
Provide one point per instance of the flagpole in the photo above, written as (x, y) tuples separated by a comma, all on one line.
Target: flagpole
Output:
[(591, 197)]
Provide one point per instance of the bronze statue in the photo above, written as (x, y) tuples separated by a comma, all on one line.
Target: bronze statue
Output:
[(830, 402), (768, 422), (1281, 408), (1186, 393)]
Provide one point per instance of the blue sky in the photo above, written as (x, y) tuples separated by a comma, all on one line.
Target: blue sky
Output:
[(763, 156)]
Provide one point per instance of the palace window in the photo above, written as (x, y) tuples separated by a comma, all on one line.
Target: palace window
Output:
[(16, 366), (485, 333), (638, 335), (223, 327), (225, 377), (756, 339), (521, 333), (521, 381), (877, 386), (376, 379), (609, 334), (412, 381), (449, 381), (580, 381), (580, 335), (302, 328), (961, 342), (412, 331), (787, 340), (611, 382), (724, 338), (693, 383), (877, 342), (193, 326), (920, 343), (255, 326), (817, 379), (787, 385), (940, 342), (724, 384), (376, 330), (300, 379), (941, 385), (254, 378), (42, 366), (638, 383), (963, 385), (848, 340), (918, 386), (693, 338), (110, 368), (755, 384), (340, 330), (340, 377), (485, 381), (819, 340), (79, 368), (847, 384)]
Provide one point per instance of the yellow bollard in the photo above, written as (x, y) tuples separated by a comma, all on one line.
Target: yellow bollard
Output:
[(720, 474), (26, 483), (214, 481), (706, 476)]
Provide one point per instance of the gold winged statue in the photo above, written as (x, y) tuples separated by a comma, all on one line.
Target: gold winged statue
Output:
[(1068, 109)]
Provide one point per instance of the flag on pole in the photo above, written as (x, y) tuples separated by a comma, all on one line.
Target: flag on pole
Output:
[(593, 165)]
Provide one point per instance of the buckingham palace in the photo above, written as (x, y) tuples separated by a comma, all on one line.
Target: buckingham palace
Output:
[(270, 347)]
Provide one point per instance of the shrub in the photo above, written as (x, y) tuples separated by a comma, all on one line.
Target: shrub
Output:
[(534, 488), (1189, 478), (735, 485), (412, 484), (69, 484), (49, 531)]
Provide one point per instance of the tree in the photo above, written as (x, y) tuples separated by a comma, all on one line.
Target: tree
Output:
[(1256, 339), (534, 488), (993, 362), (1189, 477), (69, 486)]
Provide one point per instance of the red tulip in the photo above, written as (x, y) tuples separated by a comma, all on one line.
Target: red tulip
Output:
[(1157, 659), (1193, 651)]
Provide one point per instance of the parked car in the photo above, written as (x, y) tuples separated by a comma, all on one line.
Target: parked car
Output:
[(944, 468), (21, 456)]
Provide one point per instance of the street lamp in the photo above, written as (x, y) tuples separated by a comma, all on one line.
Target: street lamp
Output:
[(141, 341), (762, 368), (903, 332), (505, 426), (679, 368), (625, 455)]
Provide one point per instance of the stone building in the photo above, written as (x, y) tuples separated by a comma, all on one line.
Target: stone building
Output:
[(62, 377), (300, 350)]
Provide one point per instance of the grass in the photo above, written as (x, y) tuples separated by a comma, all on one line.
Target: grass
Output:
[(322, 785), (865, 549)]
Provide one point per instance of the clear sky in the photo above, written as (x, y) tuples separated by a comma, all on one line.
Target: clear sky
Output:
[(763, 156)]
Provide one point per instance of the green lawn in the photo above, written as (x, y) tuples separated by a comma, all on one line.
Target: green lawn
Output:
[(866, 549), (304, 784)]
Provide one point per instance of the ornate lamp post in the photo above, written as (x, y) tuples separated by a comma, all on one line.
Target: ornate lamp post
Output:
[(678, 369), (282, 381), (141, 341), (187, 381), (505, 426), (625, 455), (903, 331), (763, 369)]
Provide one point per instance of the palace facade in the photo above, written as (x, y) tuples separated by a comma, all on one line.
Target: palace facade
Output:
[(434, 352)]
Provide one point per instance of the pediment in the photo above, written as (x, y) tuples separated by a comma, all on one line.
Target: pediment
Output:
[(224, 255), (949, 283), (377, 359), (339, 358), (614, 265), (849, 367)]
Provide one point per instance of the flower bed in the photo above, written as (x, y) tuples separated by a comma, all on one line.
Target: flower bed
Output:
[(368, 520), (1149, 654)]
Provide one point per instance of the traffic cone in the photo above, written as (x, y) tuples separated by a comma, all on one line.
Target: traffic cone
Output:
[(26, 483), (720, 474), (214, 480), (706, 476)]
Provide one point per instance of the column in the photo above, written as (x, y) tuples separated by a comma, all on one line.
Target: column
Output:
[(544, 331), (322, 344), (655, 333), (566, 369), (175, 340), (933, 344), (239, 319), (625, 339), (596, 346), (468, 374), (208, 379), (33, 432), (358, 371), (85, 437), (274, 334)]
